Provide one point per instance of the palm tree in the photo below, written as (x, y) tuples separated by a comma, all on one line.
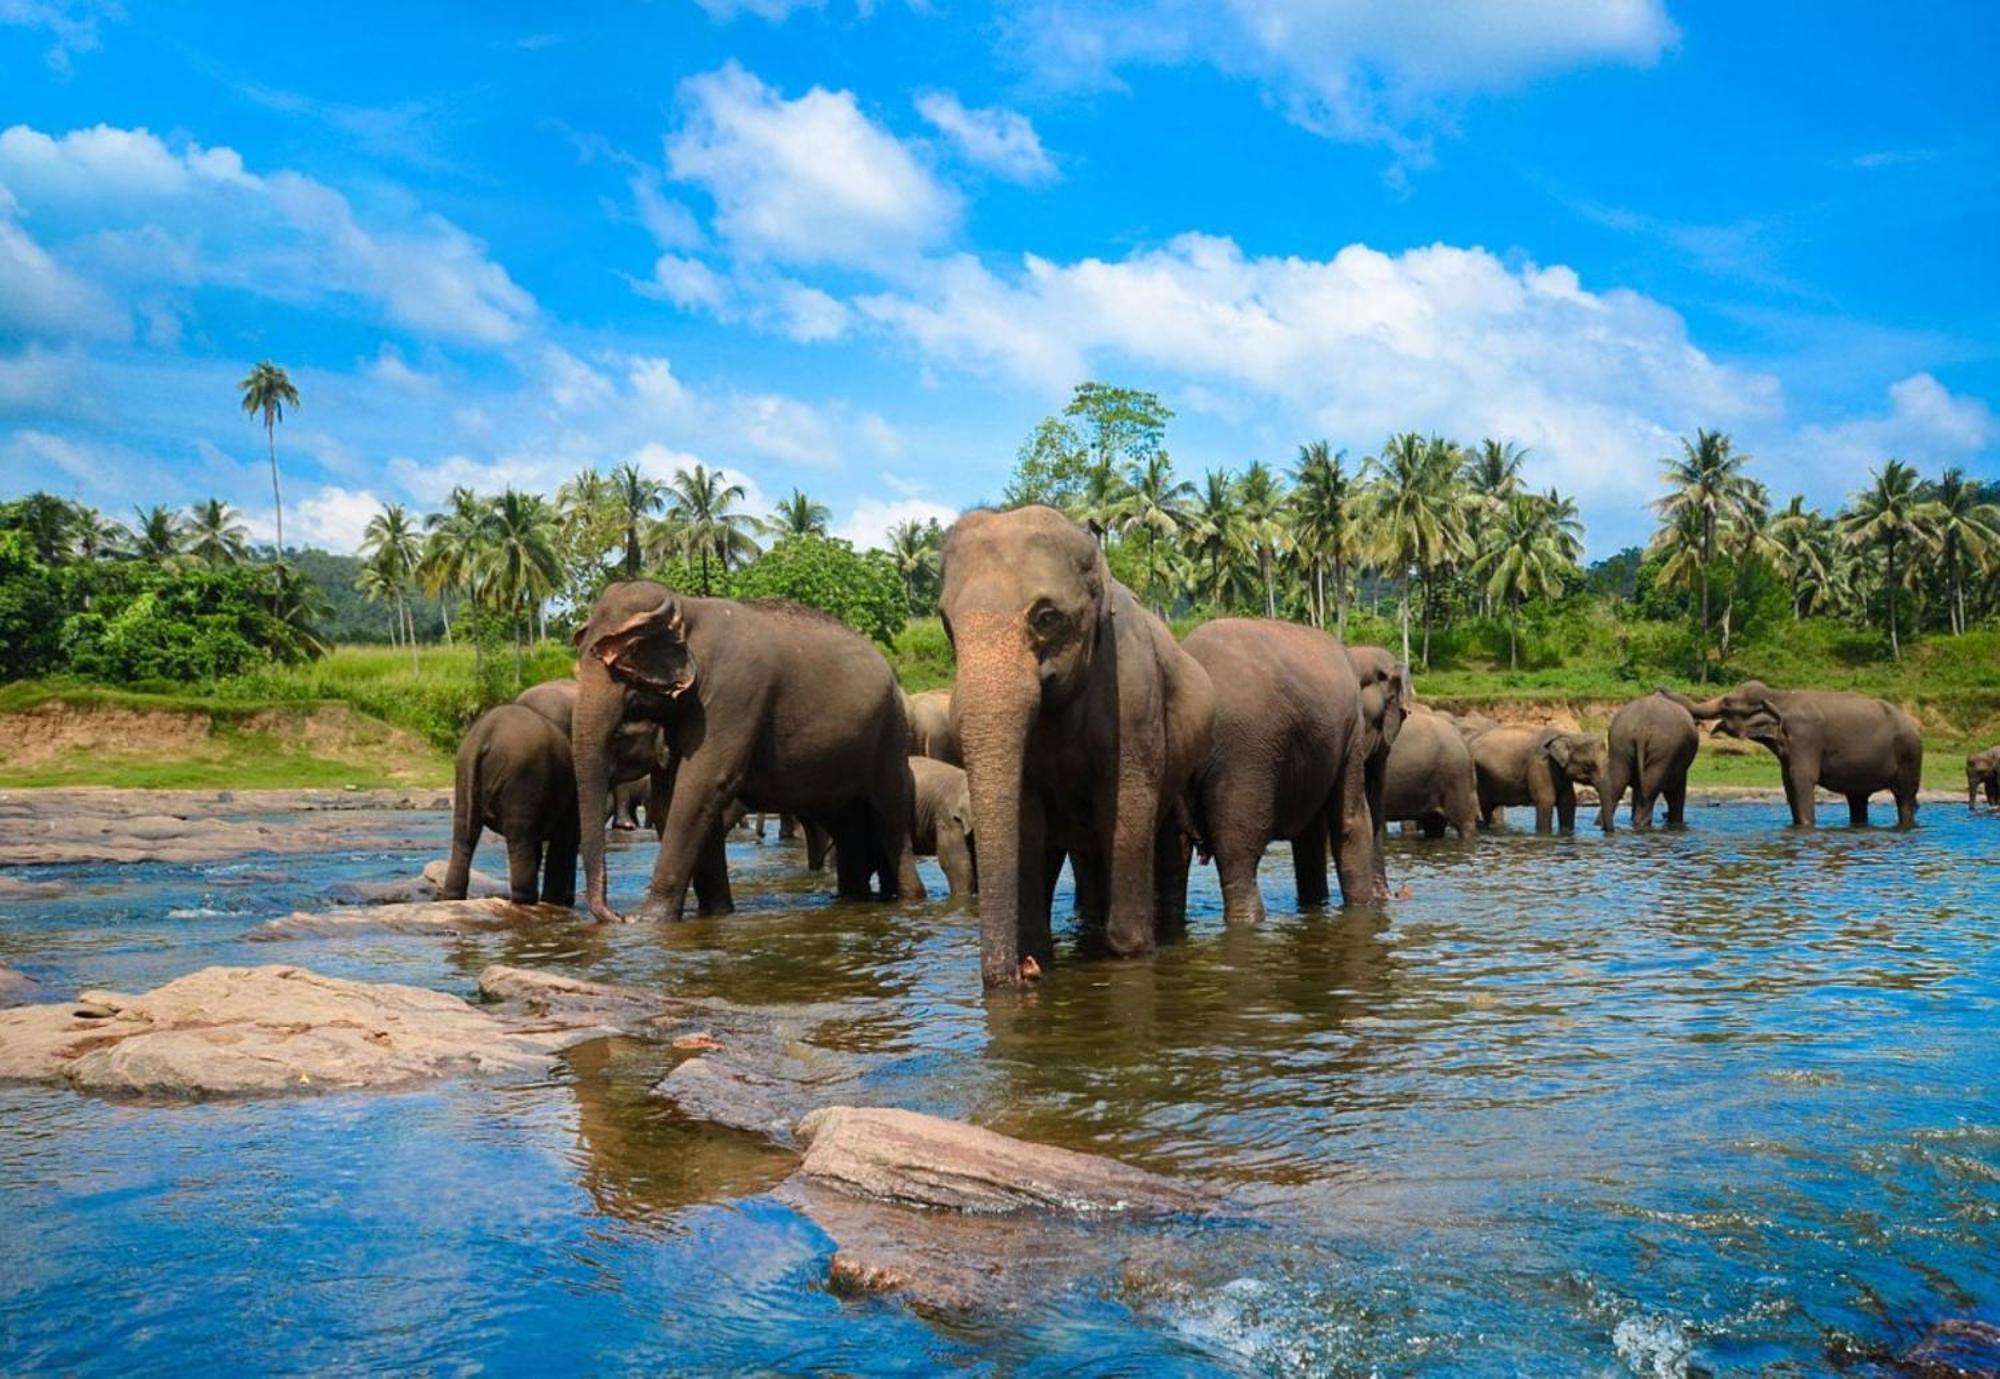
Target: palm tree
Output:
[(1419, 515), (1154, 502), (914, 546), (1098, 505), (99, 537), (1707, 481), (1801, 552), (1493, 473), (268, 389), (158, 537), (392, 546), (518, 566), (1966, 529), (1892, 513), (634, 497), (1327, 502), (450, 563), (296, 605), (699, 505), (214, 536), (797, 515), (1260, 503), (1214, 531), (1535, 548)]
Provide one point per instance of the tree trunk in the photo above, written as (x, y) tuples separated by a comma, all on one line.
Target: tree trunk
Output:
[(410, 631), (1340, 598), (277, 501), (1427, 618), (1406, 615), (1895, 645), (1513, 631)]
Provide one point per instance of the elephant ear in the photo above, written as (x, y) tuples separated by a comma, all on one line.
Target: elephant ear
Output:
[(1765, 707), (1402, 687), (648, 649), (1561, 749)]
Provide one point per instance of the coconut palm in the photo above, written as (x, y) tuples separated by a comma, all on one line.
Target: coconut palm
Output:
[(518, 565), (1154, 503), (267, 390), (158, 537), (634, 497), (914, 546), (392, 547), (296, 606), (698, 507), (796, 515), (1745, 540), (1892, 514), (1493, 474), (1803, 553), (99, 537), (450, 563), (1327, 503), (1260, 507), (1534, 549), (1967, 530), (1707, 479), (1419, 517), (214, 536), (1100, 500)]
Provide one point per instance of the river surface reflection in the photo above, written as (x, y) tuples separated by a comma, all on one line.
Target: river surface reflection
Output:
[(1716, 1101)]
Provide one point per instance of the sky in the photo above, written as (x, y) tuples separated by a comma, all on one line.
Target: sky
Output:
[(862, 249)]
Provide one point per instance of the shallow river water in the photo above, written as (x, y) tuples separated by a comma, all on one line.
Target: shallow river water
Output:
[(1719, 1101)]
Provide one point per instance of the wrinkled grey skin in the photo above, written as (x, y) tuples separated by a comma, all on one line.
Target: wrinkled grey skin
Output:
[(513, 776), (1430, 779), (1846, 743), (764, 703), (944, 822), (1471, 725), (1982, 770), (1387, 695), (639, 766), (1287, 759), (1081, 722), (1536, 766), (1651, 744), (931, 733)]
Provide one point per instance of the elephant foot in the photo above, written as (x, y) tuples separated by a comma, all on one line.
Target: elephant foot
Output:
[(624, 826), (1031, 971), (604, 914)]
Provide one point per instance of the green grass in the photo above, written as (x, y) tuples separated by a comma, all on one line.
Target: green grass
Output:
[(230, 761), (1721, 768)]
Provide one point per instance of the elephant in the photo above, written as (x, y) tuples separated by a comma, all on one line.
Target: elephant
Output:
[(1470, 725), (944, 822), (1386, 696), (1287, 758), (1430, 779), (1848, 743), (514, 776), (638, 764), (1537, 766), (931, 733), (1081, 720), (1653, 741), (777, 706), (1983, 769)]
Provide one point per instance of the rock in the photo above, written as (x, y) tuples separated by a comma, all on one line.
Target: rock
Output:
[(571, 1000), (234, 1031), (763, 1087), (479, 886), (98, 825), (425, 917), (1954, 1347), (16, 989), (13, 888), (917, 1160)]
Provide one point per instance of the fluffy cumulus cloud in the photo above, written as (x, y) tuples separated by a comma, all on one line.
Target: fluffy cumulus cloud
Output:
[(869, 523), (1924, 424), (328, 516), (138, 215), (809, 180), (1002, 141), (70, 24)]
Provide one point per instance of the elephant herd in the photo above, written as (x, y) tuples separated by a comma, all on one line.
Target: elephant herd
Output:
[(1078, 730)]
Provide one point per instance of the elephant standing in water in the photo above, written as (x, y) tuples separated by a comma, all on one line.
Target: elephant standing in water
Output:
[(1982, 770), (514, 776), (1287, 758), (1081, 722), (1653, 741), (944, 822), (768, 704), (1848, 743), (1386, 697), (1430, 780), (1536, 766), (638, 763), (931, 733)]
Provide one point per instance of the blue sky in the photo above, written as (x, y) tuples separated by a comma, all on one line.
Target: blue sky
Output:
[(863, 249)]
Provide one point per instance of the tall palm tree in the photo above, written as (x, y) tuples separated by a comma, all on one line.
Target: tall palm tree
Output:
[(392, 545), (1420, 519), (450, 564), (1802, 552), (1155, 504), (158, 537), (1327, 502), (1892, 513), (1967, 530), (699, 503), (1260, 505), (1493, 474), (1098, 504), (267, 390), (796, 515), (99, 537), (1214, 532), (296, 606), (634, 496), (1533, 550), (1707, 480), (914, 546), (518, 567), (214, 536)]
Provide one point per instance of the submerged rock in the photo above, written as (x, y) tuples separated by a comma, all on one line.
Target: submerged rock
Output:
[(16, 989), (75, 826), (479, 886), (424, 917), (235, 1031)]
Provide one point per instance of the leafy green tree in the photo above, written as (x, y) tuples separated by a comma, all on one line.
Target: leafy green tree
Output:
[(1533, 551), (454, 553), (915, 547), (518, 568), (1327, 504), (1214, 532), (1260, 506), (32, 607), (861, 588), (1419, 515), (1892, 514), (1121, 426), (1049, 467), (214, 536), (51, 525), (267, 390), (1967, 528), (1154, 505), (158, 538), (1708, 489), (634, 498), (394, 551)]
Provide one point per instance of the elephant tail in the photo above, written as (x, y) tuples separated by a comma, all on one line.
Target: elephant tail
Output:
[(464, 791)]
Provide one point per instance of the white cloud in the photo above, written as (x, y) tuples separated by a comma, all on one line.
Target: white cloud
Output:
[(806, 181), (773, 10), (148, 215), (1002, 141), (748, 296), (389, 367), (39, 380), (41, 297), (330, 517), (72, 22), (1926, 425), (867, 526)]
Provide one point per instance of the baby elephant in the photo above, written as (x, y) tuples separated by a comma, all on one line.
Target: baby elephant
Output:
[(1431, 782), (515, 777), (944, 822), (1982, 770), (1536, 766)]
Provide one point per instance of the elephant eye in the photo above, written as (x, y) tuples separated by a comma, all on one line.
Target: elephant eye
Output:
[(1047, 619)]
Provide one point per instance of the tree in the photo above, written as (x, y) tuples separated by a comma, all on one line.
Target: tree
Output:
[(797, 515), (1327, 502), (453, 553), (99, 537), (914, 547), (295, 606), (518, 565), (1122, 426), (1419, 516), (1260, 502), (634, 497), (1967, 529), (214, 536), (1534, 549), (1709, 484), (394, 553), (1493, 474), (1745, 540), (1892, 514), (1048, 468), (861, 588), (1154, 503), (158, 538), (703, 527), (267, 390), (1803, 552), (1214, 531)]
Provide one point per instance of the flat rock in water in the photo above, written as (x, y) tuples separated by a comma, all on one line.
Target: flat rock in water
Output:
[(14, 888), (478, 886), (16, 989), (763, 1087), (236, 1031), (424, 917)]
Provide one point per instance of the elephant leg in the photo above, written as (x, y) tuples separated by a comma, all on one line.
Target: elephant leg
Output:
[(1376, 777), (559, 868), (712, 895), (693, 816), (524, 866), (1803, 792), (458, 871), (1173, 850), (1432, 825), (955, 857), (1545, 810), (892, 813), (1857, 809), (1906, 807), (1496, 818), (1128, 926), (1642, 810), (1093, 888), (1236, 860), (1355, 859), (1677, 798), (1035, 934), (853, 849), (1309, 851), (788, 827), (818, 843), (1611, 791)]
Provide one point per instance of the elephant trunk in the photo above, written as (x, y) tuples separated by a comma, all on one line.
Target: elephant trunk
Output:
[(600, 706), (993, 710)]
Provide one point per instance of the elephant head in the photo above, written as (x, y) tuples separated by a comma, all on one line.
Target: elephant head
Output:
[(1025, 604), (1982, 769), (1580, 756), (1387, 693), (1750, 711), (632, 662)]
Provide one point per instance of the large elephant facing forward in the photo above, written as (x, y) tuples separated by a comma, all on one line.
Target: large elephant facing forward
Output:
[(1848, 743), (1982, 771), (766, 704), (1653, 741), (1081, 722)]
